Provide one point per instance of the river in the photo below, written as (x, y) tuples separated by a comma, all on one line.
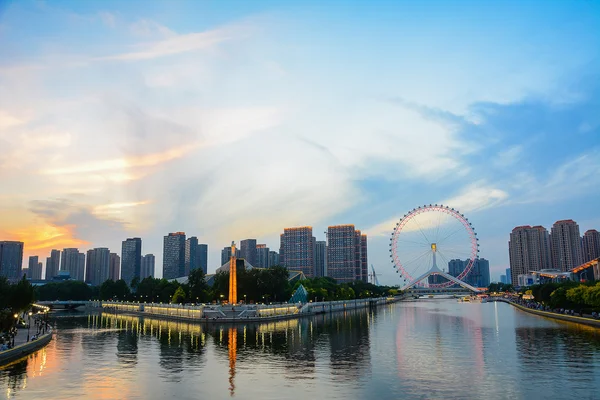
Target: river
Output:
[(425, 349)]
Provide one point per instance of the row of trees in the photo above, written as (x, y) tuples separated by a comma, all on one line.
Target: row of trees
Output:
[(586, 295), (254, 286), (571, 295), (326, 289), (500, 287), (14, 299)]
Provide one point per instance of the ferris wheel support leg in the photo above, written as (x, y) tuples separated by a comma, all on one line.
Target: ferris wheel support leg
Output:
[(436, 271), (458, 282)]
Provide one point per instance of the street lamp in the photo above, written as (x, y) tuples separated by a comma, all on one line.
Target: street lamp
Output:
[(28, 325), (15, 329)]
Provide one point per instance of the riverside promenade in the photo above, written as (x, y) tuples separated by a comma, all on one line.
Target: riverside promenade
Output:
[(549, 314), (239, 313), (22, 347)]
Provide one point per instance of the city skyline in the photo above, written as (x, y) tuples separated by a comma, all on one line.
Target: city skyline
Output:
[(117, 122), (541, 241)]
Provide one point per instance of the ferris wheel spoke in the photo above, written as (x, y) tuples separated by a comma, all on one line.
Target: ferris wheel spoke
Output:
[(452, 234), (412, 242), (437, 231), (461, 254), (444, 258), (418, 257), (421, 230)]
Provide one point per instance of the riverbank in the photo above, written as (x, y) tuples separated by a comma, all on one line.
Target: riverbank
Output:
[(547, 314), (25, 349), (240, 313)]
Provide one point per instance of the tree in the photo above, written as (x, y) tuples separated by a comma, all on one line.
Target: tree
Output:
[(179, 296), (198, 289), (64, 291), (111, 290)]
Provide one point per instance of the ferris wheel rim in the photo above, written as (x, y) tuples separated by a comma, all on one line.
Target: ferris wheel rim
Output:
[(430, 208)]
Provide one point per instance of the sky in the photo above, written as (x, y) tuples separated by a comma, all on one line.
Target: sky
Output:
[(233, 119)]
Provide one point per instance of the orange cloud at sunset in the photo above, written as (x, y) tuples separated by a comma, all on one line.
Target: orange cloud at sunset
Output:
[(146, 160), (40, 239)]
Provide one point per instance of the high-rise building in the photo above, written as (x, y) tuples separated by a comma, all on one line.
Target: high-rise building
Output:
[(226, 255), (147, 269), (273, 258), (345, 248), (544, 246), (35, 268), (81, 266), (298, 246), (11, 260), (591, 245), (503, 279), (262, 256), (98, 266), (528, 251), (25, 273), (566, 245), (192, 261), (479, 276), (38, 274), (248, 251), (114, 270), (281, 250), (174, 255), (364, 259), (320, 258), (52, 265), (480, 273), (508, 279), (73, 262), (456, 267), (203, 257), (131, 259)]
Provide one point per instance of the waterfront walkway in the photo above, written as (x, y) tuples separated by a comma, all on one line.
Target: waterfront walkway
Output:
[(23, 348), (534, 308), (237, 313)]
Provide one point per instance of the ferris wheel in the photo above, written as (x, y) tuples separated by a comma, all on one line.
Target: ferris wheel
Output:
[(433, 240)]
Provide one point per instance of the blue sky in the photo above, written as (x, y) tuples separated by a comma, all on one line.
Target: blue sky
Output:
[(235, 119)]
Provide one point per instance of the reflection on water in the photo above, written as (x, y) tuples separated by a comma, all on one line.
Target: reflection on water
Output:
[(423, 349)]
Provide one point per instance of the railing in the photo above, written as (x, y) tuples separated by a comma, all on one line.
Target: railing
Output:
[(259, 311)]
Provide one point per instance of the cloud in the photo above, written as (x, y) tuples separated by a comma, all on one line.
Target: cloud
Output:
[(147, 28), (179, 44), (145, 160), (509, 156), (574, 177), (9, 121), (476, 197), (115, 209), (65, 223), (108, 19)]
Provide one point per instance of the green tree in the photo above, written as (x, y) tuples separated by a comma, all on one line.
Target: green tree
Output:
[(111, 290), (198, 289), (179, 296)]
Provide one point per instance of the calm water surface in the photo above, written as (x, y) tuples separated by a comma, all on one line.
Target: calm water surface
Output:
[(413, 350)]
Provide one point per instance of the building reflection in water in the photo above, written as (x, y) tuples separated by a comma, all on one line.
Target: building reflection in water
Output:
[(566, 353), (232, 359), (14, 376), (433, 346)]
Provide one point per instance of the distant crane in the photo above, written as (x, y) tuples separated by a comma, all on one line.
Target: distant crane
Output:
[(373, 276)]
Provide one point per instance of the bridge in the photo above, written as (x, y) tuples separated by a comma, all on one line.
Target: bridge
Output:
[(66, 304), (450, 291)]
